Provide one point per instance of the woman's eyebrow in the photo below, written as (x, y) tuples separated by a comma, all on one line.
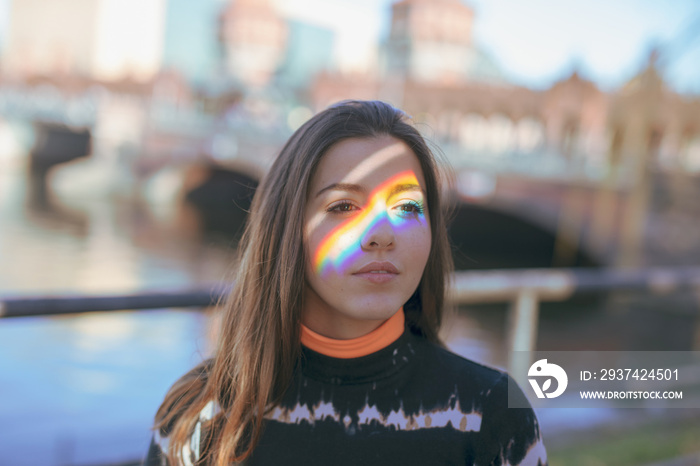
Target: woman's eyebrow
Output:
[(400, 188), (356, 188), (349, 187)]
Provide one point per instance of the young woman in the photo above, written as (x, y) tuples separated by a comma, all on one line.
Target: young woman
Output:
[(329, 350)]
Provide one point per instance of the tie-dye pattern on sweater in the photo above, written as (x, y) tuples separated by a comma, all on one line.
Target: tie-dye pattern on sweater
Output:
[(411, 403)]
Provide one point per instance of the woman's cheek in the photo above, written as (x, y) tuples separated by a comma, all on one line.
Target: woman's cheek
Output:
[(416, 227), (344, 252), (419, 239), (333, 254)]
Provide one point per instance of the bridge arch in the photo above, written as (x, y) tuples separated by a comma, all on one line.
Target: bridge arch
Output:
[(502, 236), (221, 196)]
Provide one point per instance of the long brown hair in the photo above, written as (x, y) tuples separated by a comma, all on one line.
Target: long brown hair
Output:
[(259, 346)]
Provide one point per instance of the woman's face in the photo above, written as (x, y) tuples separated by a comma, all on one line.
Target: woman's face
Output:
[(366, 235)]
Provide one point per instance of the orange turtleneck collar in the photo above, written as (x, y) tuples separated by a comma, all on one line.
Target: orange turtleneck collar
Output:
[(379, 338)]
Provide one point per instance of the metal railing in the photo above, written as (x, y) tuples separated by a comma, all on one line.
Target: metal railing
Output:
[(524, 289)]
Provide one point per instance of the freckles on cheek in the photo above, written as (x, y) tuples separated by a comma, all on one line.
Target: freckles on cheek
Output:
[(411, 227), (417, 236)]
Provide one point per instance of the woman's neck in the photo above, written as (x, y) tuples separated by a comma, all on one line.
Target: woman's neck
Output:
[(380, 337)]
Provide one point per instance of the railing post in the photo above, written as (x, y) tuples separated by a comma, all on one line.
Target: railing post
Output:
[(522, 326)]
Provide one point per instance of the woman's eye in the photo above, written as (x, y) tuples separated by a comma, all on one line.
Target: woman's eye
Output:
[(341, 207), (410, 208)]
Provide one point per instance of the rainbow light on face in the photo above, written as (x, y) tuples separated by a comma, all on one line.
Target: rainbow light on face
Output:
[(331, 254)]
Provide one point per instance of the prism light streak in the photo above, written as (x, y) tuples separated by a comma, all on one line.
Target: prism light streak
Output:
[(331, 254)]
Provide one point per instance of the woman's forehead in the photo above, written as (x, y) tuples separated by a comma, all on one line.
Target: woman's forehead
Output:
[(366, 161)]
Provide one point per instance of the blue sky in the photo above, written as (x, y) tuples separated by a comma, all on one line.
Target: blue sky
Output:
[(536, 42), (539, 40)]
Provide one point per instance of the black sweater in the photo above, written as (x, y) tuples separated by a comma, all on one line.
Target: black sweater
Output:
[(409, 403)]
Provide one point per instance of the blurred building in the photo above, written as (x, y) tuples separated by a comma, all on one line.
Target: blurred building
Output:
[(431, 67), (430, 41), (309, 51), (190, 44), (255, 45), (253, 36), (433, 70), (569, 118), (667, 123), (102, 39)]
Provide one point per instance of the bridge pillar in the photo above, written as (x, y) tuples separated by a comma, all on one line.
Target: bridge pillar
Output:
[(55, 144), (641, 139), (522, 327)]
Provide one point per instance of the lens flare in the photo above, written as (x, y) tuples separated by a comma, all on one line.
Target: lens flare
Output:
[(333, 254)]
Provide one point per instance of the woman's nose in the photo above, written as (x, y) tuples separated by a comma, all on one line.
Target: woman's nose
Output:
[(379, 235)]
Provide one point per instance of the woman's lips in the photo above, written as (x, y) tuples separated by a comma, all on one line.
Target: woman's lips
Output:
[(384, 266), (378, 272), (377, 277)]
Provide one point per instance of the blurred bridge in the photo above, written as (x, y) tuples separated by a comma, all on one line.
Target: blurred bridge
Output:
[(531, 205)]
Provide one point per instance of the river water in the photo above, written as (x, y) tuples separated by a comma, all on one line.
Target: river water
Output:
[(83, 389)]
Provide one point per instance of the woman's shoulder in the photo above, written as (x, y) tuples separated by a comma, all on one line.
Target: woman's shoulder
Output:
[(185, 391), (442, 360), (513, 435)]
